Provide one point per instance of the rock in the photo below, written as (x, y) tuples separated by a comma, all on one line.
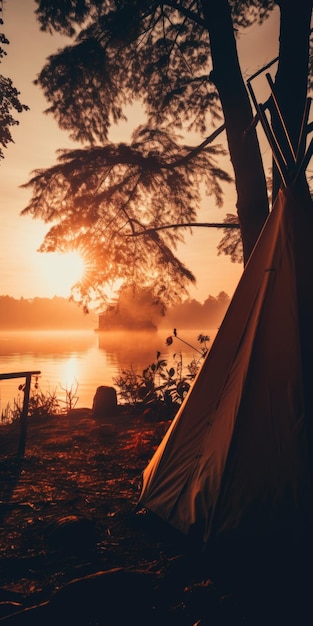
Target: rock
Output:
[(104, 402)]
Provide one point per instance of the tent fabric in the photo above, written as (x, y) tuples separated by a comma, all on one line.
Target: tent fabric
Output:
[(235, 457)]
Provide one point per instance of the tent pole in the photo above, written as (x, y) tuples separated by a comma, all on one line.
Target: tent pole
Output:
[(277, 154), (272, 88), (303, 130)]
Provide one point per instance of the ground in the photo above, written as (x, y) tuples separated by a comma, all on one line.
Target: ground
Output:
[(75, 548)]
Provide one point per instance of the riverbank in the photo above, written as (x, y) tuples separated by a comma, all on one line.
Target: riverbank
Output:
[(74, 549)]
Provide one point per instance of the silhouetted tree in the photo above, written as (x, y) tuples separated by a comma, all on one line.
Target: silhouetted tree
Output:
[(9, 100), (179, 59)]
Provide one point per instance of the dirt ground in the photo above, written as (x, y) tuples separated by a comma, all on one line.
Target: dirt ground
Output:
[(76, 550)]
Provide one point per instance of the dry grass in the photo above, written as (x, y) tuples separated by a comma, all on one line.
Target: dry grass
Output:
[(68, 512)]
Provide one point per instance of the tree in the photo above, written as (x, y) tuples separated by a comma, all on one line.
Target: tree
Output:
[(179, 59), (9, 100)]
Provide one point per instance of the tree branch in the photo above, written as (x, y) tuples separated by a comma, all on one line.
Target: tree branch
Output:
[(194, 17), (148, 231), (194, 151)]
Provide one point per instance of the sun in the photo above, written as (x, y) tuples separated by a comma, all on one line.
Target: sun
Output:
[(59, 272)]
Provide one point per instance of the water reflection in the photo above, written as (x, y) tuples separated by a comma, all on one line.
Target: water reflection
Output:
[(69, 376), (131, 348), (84, 359), (44, 342)]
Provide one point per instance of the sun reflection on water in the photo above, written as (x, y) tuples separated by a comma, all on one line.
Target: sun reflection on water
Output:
[(70, 373)]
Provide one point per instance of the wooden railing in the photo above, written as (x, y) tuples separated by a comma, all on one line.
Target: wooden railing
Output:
[(24, 414)]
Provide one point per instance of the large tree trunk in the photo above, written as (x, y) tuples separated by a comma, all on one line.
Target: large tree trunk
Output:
[(292, 75), (252, 199)]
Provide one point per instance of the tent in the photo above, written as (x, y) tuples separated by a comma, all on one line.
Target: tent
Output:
[(237, 455)]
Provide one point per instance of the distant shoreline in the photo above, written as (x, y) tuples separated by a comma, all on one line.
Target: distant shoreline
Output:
[(59, 314)]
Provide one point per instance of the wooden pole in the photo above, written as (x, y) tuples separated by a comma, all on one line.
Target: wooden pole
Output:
[(24, 415)]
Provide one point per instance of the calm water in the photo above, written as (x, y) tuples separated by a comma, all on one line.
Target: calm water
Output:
[(83, 360)]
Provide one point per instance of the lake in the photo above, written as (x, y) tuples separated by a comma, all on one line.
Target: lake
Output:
[(81, 361)]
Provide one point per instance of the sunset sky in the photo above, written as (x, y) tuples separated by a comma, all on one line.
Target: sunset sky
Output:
[(23, 271)]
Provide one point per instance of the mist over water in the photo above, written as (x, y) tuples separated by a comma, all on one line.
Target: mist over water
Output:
[(83, 360)]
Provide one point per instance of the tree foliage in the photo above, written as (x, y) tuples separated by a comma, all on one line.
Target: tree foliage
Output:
[(179, 60), (99, 197), (9, 100)]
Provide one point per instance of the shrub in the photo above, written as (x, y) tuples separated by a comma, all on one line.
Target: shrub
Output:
[(42, 404), (158, 387)]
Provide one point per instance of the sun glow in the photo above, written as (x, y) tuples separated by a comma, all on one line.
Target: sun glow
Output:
[(61, 271)]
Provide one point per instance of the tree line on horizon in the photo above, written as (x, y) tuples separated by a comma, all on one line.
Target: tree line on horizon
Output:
[(60, 313), (42, 314)]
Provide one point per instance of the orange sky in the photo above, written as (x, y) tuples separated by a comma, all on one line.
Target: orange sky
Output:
[(23, 271)]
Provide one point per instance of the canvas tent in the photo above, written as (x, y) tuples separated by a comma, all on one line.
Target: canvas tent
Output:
[(237, 457)]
